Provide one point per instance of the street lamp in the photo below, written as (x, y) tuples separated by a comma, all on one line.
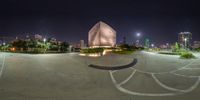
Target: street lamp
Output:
[(44, 40), (4, 43), (138, 40), (185, 42), (70, 48), (152, 45), (4, 46), (167, 44)]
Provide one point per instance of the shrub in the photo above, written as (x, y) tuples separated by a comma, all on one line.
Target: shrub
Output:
[(197, 49), (36, 51), (92, 50), (187, 55), (170, 53), (130, 48)]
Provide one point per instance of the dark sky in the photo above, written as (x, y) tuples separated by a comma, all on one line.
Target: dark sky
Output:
[(70, 20)]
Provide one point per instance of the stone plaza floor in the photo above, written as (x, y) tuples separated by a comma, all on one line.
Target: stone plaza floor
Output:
[(68, 77)]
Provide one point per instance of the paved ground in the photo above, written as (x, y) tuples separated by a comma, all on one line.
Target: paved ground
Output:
[(67, 77)]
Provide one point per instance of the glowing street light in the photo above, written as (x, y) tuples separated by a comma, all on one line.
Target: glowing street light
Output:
[(138, 40), (44, 40), (185, 39), (4, 43), (4, 46), (152, 45), (185, 42)]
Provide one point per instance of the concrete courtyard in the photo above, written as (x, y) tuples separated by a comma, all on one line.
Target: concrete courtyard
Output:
[(68, 77)]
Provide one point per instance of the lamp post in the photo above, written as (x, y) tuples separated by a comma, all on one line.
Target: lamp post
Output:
[(185, 43), (4, 47), (44, 40), (167, 44), (152, 45), (138, 38), (70, 48)]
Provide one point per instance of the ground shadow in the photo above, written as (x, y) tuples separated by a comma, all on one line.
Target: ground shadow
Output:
[(134, 62)]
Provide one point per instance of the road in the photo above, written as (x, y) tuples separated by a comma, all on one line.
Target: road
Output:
[(68, 77)]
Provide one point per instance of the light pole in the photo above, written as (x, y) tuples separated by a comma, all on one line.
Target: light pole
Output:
[(185, 43), (167, 44), (70, 48), (4, 46), (152, 45), (138, 38), (44, 40)]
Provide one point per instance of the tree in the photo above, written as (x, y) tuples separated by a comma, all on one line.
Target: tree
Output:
[(64, 46), (125, 46), (19, 45), (177, 47), (5, 47)]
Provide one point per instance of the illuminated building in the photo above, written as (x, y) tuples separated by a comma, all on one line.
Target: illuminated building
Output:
[(184, 39), (101, 35), (196, 44), (38, 37), (147, 43), (82, 45)]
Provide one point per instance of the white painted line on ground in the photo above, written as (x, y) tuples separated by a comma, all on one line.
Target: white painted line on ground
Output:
[(191, 68), (112, 78), (126, 80), (188, 76), (2, 67), (165, 86), (165, 72), (174, 89), (183, 67), (140, 71), (149, 72), (137, 93), (145, 94), (186, 67), (194, 86), (114, 71)]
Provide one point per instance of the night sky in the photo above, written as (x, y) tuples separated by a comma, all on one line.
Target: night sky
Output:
[(70, 20)]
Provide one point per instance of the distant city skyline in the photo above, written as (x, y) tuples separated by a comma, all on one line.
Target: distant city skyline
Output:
[(130, 38)]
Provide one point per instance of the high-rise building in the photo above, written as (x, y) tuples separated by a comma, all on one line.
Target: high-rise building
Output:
[(196, 44), (184, 39), (124, 40), (147, 43), (38, 37), (101, 35), (82, 45), (53, 40)]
